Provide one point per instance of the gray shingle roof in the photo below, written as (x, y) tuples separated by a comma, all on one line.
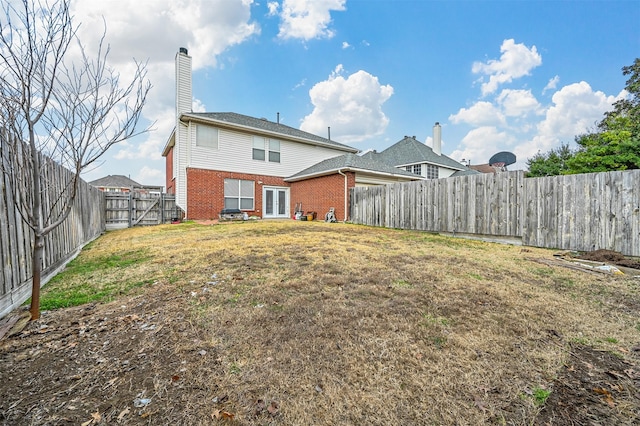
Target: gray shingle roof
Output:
[(270, 126), (115, 181), (351, 162), (465, 172), (411, 151)]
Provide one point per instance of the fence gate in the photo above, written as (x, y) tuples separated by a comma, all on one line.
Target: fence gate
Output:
[(124, 210)]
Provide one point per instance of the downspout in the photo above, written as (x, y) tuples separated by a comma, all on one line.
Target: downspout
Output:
[(345, 195)]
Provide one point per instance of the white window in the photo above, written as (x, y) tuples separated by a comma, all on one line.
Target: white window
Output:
[(415, 169), (206, 136), (259, 148), (239, 194), (274, 151), (266, 149), (432, 171)]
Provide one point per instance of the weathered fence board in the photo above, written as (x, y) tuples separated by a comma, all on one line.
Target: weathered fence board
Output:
[(575, 212), (584, 212), (124, 210), (480, 204)]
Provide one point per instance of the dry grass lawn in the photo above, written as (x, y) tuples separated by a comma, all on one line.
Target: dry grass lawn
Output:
[(307, 323)]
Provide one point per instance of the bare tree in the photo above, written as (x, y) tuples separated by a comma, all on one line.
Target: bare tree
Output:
[(54, 107)]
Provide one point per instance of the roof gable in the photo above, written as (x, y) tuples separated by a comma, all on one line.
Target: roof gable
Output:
[(411, 151)]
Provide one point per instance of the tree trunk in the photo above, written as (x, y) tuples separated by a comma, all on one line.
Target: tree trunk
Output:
[(36, 217), (38, 250)]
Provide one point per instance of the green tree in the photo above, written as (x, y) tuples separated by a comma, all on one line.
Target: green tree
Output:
[(551, 163)]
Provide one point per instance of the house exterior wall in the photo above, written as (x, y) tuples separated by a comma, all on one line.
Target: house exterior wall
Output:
[(169, 176), (232, 158), (444, 172), (206, 191), (235, 152), (321, 193)]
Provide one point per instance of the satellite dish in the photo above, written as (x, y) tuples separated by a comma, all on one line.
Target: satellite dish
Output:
[(502, 159)]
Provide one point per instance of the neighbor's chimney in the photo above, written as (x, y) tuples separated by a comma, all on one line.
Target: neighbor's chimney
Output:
[(437, 139), (184, 95)]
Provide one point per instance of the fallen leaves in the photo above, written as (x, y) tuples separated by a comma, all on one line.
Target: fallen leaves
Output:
[(261, 406), (95, 419), (608, 398), (221, 414)]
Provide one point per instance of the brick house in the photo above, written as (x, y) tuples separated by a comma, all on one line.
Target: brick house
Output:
[(225, 160)]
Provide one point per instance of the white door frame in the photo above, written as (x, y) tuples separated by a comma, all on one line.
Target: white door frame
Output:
[(276, 207)]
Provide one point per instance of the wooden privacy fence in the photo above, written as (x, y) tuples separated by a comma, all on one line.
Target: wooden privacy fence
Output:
[(127, 209), (576, 212), (85, 223)]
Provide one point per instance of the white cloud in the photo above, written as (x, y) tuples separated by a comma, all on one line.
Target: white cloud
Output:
[(518, 103), (576, 109), (198, 106), (149, 176), (345, 45), (480, 114), (308, 19), (551, 85), (351, 106), (206, 27), (273, 8), (517, 60), (481, 143)]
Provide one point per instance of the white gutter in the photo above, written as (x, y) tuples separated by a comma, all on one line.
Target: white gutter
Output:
[(345, 195)]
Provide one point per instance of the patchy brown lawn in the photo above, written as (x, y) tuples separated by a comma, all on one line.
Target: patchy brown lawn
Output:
[(311, 323)]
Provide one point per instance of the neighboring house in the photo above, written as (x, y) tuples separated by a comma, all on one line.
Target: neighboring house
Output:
[(418, 158), (486, 168), (225, 160), (120, 183)]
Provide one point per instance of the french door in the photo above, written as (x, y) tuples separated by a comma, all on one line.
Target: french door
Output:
[(275, 202)]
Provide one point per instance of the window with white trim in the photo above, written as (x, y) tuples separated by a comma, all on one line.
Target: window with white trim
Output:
[(206, 136), (415, 169), (239, 194), (266, 149), (432, 171), (274, 151)]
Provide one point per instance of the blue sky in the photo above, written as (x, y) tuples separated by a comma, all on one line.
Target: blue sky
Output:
[(519, 76)]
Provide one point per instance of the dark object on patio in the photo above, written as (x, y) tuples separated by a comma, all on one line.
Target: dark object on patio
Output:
[(231, 214)]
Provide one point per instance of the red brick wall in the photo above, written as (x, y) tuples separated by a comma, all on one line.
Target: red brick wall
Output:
[(169, 180), (319, 194), (205, 189)]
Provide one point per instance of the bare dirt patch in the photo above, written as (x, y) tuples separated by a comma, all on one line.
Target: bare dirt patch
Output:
[(311, 323), (611, 257)]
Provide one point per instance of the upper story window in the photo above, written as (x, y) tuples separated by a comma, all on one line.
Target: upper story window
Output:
[(266, 149), (415, 169), (206, 136), (274, 151), (432, 171)]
